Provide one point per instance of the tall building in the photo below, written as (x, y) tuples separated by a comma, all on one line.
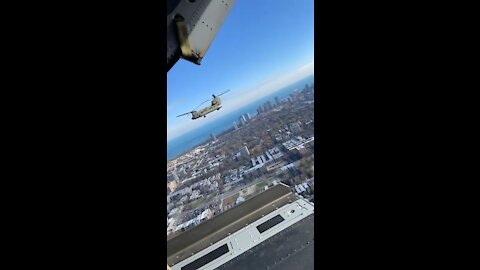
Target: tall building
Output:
[(296, 127), (247, 116), (269, 105), (277, 101), (242, 119), (265, 107), (213, 137), (296, 95), (235, 125), (259, 110)]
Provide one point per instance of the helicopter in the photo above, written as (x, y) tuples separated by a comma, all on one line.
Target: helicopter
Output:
[(215, 105)]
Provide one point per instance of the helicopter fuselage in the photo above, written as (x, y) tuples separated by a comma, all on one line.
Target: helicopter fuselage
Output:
[(203, 112), (215, 105)]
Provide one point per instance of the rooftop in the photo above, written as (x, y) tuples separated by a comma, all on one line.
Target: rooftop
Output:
[(230, 221), (291, 248)]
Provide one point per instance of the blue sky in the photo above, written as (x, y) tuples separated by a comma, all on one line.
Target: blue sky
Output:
[(262, 46)]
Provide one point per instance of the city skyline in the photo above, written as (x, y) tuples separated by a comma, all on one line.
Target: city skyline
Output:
[(189, 140), (236, 100)]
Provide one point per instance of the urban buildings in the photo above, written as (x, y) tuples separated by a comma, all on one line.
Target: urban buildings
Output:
[(297, 143), (172, 181), (243, 120), (296, 127), (259, 110), (244, 150), (269, 106), (279, 214), (216, 176)]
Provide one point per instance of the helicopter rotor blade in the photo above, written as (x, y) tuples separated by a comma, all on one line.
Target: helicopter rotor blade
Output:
[(203, 103), (184, 114), (223, 93)]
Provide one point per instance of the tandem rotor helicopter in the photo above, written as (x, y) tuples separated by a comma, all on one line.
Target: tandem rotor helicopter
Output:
[(216, 102)]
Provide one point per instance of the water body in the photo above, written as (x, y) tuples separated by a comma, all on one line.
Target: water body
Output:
[(186, 142)]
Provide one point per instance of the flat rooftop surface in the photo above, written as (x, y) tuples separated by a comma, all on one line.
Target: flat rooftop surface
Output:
[(228, 222), (291, 248)]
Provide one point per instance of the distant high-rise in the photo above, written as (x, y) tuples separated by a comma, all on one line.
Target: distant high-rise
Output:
[(277, 101), (247, 116), (235, 125), (242, 119), (259, 110), (265, 107), (213, 137), (269, 105), (296, 95), (308, 95)]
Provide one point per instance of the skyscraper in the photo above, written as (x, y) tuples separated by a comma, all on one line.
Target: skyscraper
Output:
[(277, 101), (242, 119), (247, 116), (259, 110), (308, 93), (235, 125), (295, 95), (213, 137), (269, 105)]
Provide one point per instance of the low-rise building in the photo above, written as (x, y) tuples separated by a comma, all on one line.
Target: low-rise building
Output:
[(297, 143)]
